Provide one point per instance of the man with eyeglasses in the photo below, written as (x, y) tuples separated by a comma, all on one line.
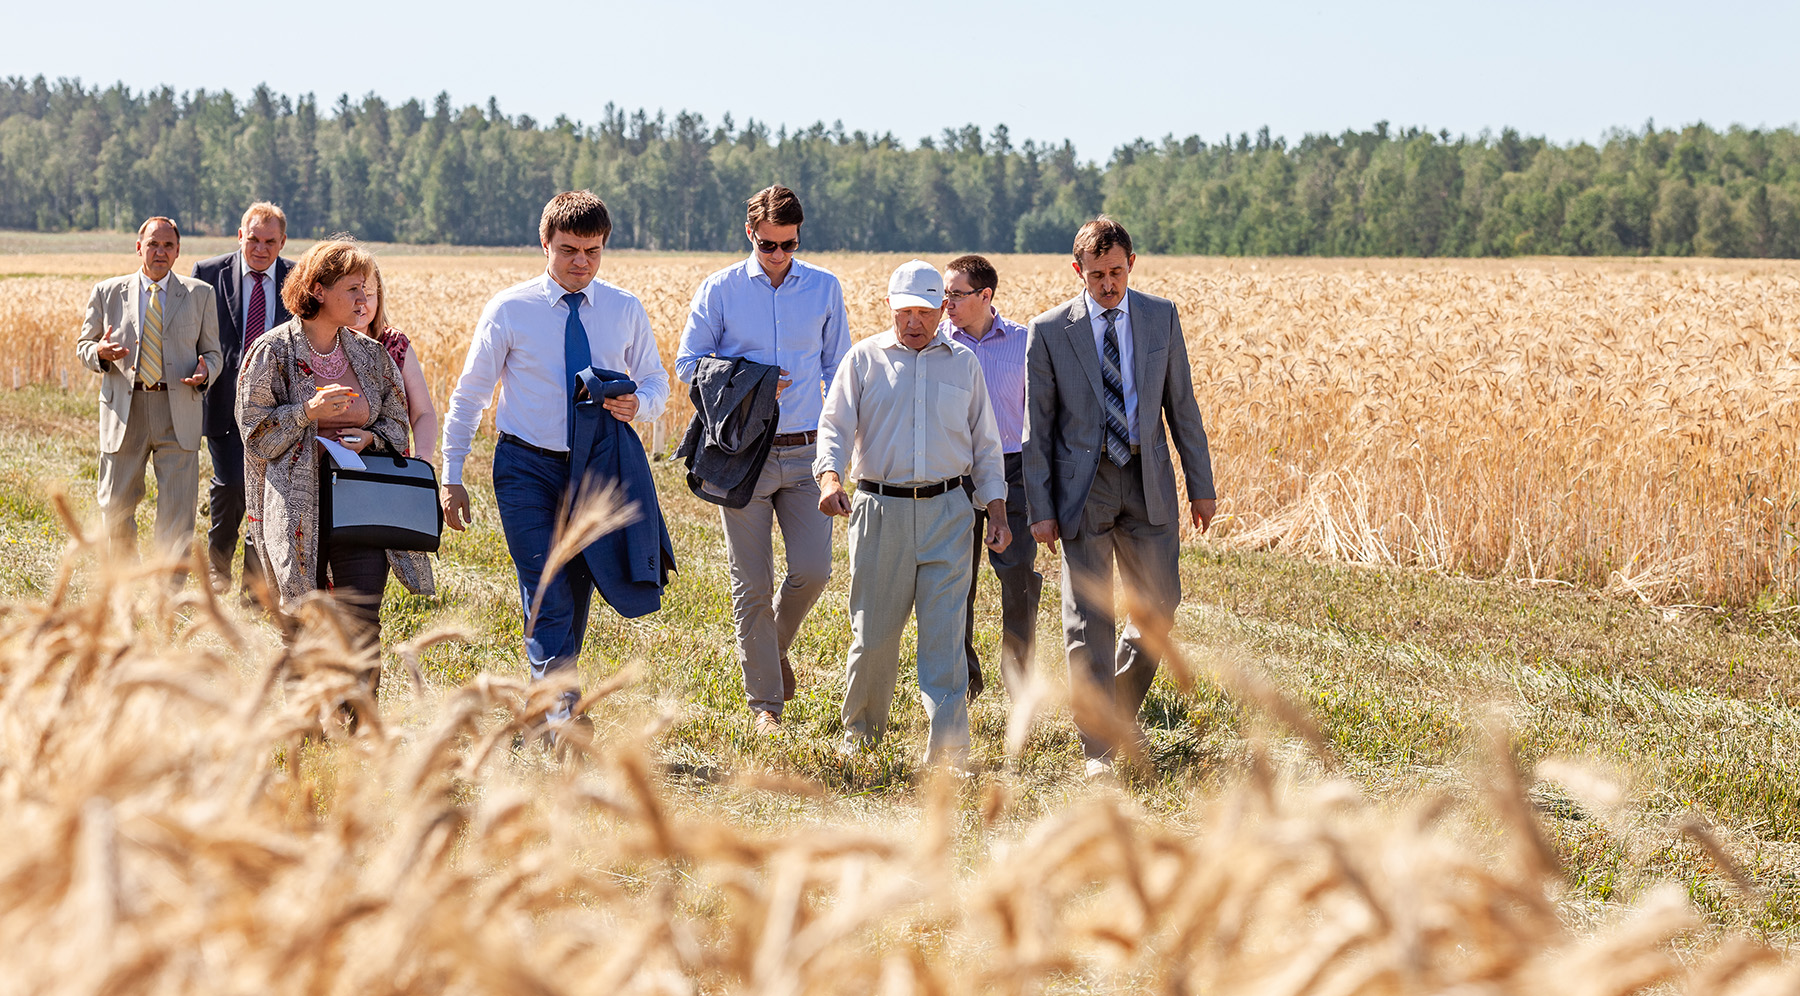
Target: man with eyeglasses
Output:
[(970, 318), (777, 310)]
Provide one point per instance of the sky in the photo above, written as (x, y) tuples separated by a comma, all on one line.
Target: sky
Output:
[(1100, 74)]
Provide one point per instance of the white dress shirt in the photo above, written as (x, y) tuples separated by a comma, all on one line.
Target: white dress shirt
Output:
[(900, 416), (143, 298), (518, 345), (247, 288), (1127, 369)]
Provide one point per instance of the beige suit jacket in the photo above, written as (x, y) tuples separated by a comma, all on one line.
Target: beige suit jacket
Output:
[(190, 331)]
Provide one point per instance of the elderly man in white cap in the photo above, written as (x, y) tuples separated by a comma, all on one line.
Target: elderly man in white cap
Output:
[(908, 414)]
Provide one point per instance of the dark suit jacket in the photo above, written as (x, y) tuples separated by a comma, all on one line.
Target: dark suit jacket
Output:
[(629, 565), (733, 428), (1064, 412), (226, 274)]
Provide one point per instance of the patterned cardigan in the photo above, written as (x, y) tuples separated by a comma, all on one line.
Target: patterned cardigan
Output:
[(281, 461)]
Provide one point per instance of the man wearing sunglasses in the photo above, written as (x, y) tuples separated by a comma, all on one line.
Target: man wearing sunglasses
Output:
[(777, 310)]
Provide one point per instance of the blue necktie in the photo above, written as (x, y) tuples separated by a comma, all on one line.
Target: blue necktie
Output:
[(1118, 435), (576, 356)]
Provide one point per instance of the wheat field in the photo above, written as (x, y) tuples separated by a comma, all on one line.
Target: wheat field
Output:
[(1614, 424), (184, 813)]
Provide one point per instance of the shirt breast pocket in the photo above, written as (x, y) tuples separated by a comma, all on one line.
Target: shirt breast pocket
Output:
[(953, 403)]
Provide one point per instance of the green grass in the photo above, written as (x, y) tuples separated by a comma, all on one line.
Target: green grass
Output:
[(1689, 710)]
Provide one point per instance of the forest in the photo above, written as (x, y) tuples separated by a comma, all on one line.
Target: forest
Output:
[(77, 157)]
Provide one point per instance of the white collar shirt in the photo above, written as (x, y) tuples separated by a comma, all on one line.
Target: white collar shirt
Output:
[(143, 296), (1127, 369), (247, 288), (911, 417), (518, 348)]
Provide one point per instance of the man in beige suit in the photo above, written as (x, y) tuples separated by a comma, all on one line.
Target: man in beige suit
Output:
[(153, 337)]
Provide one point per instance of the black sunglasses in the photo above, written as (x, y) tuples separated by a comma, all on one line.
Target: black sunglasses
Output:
[(769, 245)]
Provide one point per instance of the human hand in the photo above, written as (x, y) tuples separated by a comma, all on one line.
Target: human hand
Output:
[(832, 499), (783, 382), (1047, 533), (109, 348), (456, 507), (354, 440), (624, 407), (328, 401), (999, 534), (1201, 511), (199, 376)]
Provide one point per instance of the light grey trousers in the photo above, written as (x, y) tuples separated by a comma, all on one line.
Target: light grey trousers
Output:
[(150, 438), (767, 616), (1117, 661), (910, 556)]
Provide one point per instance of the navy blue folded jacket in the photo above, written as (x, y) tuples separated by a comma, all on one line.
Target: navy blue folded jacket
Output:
[(630, 565), (728, 441)]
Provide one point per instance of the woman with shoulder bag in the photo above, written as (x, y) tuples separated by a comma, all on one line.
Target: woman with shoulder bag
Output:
[(314, 377)]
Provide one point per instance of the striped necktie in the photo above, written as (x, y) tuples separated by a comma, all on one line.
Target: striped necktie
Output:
[(1118, 433), (150, 348), (258, 314)]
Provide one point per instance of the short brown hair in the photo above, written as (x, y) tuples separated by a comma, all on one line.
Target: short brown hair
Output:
[(980, 272), (325, 263), (260, 210), (577, 212), (776, 205), (153, 221), (1098, 237)]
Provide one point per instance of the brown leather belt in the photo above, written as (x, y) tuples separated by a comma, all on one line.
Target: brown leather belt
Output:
[(902, 491), (149, 387), (796, 438)]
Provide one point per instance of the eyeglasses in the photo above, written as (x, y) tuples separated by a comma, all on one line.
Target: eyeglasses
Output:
[(960, 296), (769, 245)]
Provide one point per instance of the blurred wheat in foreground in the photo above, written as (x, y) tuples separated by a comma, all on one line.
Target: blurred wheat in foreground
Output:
[(173, 824)]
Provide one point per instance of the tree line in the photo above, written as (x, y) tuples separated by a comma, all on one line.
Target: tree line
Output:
[(78, 157)]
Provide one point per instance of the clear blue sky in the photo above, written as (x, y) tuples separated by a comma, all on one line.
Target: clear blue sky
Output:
[(1099, 73)]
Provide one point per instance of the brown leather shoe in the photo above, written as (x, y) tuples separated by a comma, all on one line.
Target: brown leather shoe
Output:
[(766, 724), (787, 680)]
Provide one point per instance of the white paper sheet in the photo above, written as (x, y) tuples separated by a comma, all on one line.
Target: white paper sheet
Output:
[(342, 455)]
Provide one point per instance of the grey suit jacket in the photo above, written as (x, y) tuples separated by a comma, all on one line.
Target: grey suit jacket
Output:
[(1064, 412), (190, 331)]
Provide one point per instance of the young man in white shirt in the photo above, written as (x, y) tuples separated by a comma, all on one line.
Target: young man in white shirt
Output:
[(908, 414), (532, 339)]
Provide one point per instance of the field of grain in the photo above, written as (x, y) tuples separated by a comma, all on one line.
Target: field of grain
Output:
[(176, 824), (1620, 425)]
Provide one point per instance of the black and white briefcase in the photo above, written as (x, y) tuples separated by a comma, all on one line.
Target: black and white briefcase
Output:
[(391, 503)]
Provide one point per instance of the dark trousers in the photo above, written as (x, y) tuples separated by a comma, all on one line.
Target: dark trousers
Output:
[(1117, 662), (356, 577), (225, 502), (1020, 587), (532, 492)]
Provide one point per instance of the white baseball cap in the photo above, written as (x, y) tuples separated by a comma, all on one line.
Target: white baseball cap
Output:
[(916, 284)]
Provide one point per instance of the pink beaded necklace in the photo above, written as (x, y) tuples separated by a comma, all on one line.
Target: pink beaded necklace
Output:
[(329, 366)]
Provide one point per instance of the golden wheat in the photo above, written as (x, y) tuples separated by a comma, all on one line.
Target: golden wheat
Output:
[(1615, 424), (174, 825)]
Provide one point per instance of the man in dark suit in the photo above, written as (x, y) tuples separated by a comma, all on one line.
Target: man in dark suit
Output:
[(1103, 372), (247, 291)]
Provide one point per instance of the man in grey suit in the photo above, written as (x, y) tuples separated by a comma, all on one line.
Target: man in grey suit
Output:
[(153, 337), (1103, 372)]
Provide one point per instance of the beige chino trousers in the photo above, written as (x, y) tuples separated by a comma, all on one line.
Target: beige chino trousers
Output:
[(150, 438)]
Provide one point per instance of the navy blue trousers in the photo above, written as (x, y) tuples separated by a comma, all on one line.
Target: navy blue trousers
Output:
[(532, 492)]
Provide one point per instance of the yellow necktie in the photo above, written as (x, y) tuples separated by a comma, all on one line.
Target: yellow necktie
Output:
[(150, 370)]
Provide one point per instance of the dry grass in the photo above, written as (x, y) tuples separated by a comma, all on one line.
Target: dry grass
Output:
[(176, 824), (1616, 424)]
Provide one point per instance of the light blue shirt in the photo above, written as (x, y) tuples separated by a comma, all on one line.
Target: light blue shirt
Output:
[(1127, 369), (800, 327)]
